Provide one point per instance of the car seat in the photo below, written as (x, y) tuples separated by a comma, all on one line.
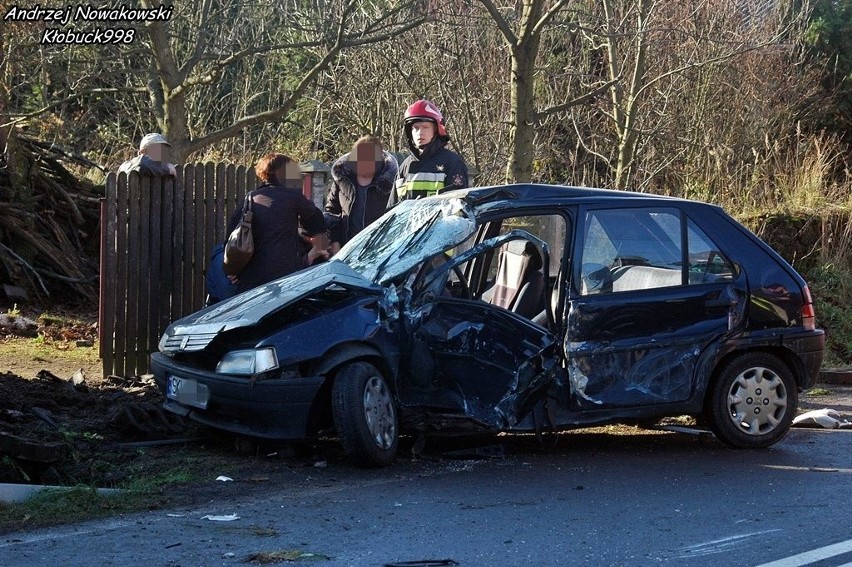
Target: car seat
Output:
[(595, 278), (519, 285)]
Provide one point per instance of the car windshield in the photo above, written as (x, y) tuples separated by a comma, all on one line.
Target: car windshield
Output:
[(406, 235)]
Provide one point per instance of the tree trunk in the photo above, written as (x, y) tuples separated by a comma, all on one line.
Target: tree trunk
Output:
[(168, 95), (522, 93), (523, 112), (625, 100)]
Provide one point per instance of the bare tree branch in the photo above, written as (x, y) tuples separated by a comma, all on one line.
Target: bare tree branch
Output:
[(582, 99), (71, 98), (501, 22), (547, 16)]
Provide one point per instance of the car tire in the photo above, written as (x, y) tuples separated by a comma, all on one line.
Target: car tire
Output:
[(753, 401), (365, 415)]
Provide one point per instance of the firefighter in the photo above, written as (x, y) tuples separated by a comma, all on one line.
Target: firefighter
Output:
[(431, 167)]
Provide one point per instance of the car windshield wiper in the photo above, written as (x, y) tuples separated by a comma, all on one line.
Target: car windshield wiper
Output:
[(377, 234), (418, 235), (381, 269)]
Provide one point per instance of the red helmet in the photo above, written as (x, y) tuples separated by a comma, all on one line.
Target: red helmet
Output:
[(425, 110)]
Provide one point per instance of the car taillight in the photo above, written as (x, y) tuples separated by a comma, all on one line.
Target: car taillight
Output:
[(808, 312)]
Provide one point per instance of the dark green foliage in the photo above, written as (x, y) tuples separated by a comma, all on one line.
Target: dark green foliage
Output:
[(828, 47)]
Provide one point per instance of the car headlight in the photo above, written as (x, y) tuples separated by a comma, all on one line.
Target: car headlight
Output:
[(246, 362)]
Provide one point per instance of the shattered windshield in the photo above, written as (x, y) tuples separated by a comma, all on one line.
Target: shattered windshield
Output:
[(406, 235)]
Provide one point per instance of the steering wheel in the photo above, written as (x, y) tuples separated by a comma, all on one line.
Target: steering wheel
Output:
[(465, 286)]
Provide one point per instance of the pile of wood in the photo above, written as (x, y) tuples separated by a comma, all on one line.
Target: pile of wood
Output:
[(49, 221)]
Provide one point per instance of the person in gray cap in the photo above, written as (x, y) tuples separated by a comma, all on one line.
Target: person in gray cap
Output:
[(153, 158)]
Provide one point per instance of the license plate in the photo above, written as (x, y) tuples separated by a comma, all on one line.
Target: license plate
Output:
[(187, 391)]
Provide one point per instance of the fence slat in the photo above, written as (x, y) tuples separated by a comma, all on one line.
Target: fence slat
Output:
[(120, 281), (189, 232), (134, 252), (167, 251), (106, 281), (208, 221), (179, 246), (199, 202), (228, 194), (152, 322)]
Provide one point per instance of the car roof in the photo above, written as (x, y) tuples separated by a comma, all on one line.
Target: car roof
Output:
[(520, 194)]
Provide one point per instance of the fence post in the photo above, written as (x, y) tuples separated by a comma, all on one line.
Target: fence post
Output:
[(315, 176)]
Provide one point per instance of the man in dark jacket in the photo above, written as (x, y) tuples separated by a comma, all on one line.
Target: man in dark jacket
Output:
[(431, 167), (153, 158), (362, 181)]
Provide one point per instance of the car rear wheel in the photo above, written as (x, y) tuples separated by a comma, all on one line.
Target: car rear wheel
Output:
[(365, 415), (753, 402)]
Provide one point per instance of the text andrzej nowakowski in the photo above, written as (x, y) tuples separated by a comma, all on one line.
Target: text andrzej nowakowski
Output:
[(84, 14)]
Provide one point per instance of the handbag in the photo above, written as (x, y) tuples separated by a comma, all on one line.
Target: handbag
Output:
[(240, 244)]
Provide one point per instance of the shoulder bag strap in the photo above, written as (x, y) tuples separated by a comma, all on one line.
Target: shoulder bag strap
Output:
[(247, 212)]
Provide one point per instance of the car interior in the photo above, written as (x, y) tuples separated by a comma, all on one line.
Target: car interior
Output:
[(622, 250), (631, 250), (519, 284), (512, 276)]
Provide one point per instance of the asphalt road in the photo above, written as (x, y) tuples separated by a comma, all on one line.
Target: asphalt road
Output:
[(593, 499)]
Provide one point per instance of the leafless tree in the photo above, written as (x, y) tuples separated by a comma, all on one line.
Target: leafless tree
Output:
[(665, 62), (522, 26), (304, 38)]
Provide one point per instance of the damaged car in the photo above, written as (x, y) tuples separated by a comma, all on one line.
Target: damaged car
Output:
[(518, 308)]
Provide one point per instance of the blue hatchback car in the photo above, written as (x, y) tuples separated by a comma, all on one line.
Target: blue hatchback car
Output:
[(511, 308)]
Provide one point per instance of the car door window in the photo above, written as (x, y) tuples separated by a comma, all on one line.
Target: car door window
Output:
[(551, 228), (707, 263), (632, 249)]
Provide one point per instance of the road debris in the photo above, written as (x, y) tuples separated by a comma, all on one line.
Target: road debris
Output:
[(222, 518), (826, 418), (285, 555), (423, 563)]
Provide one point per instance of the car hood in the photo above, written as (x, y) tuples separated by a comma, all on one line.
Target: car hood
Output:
[(194, 332)]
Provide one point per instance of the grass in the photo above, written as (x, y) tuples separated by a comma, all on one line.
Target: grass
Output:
[(49, 507), (150, 478), (39, 349), (803, 176), (819, 392), (831, 287)]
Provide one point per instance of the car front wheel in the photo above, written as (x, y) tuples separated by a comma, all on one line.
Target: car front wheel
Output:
[(753, 402), (365, 415)]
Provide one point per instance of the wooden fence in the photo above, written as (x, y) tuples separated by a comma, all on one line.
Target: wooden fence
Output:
[(156, 239)]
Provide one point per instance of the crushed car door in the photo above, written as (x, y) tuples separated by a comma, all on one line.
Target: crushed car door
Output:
[(651, 298), (472, 359)]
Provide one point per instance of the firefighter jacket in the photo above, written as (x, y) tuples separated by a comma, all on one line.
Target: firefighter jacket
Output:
[(434, 170)]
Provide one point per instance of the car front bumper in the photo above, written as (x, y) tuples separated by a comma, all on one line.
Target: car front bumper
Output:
[(278, 408)]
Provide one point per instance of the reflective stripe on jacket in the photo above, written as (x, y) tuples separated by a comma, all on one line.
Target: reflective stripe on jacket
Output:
[(437, 169), (420, 185)]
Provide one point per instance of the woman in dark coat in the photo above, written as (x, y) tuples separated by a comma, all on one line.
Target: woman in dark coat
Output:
[(278, 207), (361, 183)]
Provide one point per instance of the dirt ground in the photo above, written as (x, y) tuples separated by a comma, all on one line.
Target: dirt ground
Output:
[(63, 422)]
